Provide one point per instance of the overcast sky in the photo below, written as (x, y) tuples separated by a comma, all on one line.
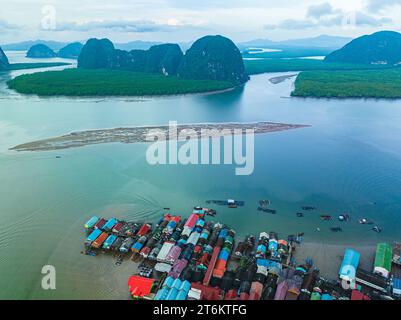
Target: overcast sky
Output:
[(186, 20)]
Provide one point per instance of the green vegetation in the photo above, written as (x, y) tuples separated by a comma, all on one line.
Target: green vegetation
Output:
[(349, 84), (213, 58), (70, 51), (40, 51), (22, 66), (284, 65), (102, 82), (96, 54), (3, 60), (379, 48)]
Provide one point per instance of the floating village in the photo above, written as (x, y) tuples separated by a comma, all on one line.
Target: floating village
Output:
[(191, 258)]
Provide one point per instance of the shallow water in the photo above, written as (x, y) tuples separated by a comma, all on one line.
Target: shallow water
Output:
[(348, 161)]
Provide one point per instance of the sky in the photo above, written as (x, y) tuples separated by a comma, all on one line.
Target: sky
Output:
[(187, 20)]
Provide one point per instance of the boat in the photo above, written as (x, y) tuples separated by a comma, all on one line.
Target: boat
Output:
[(91, 222), (99, 240), (264, 203), (117, 228), (92, 237), (117, 244), (344, 217), (231, 203), (146, 228), (210, 212), (100, 223), (272, 211), (110, 224), (308, 208), (336, 229), (300, 215), (227, 202), (126, 245), (109, 242), (325, 217), (377, 229), (364, 221)]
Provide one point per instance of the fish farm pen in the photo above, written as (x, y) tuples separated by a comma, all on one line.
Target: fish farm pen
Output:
[(194, 259)]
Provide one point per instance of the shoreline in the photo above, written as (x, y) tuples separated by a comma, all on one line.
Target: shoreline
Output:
[(140, 134)]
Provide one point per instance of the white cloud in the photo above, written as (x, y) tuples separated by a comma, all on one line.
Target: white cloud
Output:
[(136, 26), (375, 5), (324, 15), (320, 10), (6, 26)]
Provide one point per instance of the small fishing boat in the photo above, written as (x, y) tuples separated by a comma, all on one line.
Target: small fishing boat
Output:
[(344, 217), (308, 208), (364, 221), (325, 217), (377, 229), (272, 211), (210, 212), (264, 203), (300, 215), (233, 203), (336, 229)]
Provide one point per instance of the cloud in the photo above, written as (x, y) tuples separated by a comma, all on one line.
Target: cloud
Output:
[(136, 26), (377, 5), (6, 27), (362, 19), (320, 10), (324, 15)]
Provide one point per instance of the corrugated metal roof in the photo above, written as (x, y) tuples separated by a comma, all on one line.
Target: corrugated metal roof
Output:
[(384, 255)]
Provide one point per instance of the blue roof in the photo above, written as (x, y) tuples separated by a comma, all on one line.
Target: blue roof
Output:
[(109, 241), (350, 264), (397, 283), (91, 222), (326, 297), (262, 262), (110, 224), (93, 236)]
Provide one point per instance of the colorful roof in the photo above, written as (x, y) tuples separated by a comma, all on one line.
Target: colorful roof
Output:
[(349, 265), (384, 255), (93, 236), (140, 286), (357, 295), (91, 222)]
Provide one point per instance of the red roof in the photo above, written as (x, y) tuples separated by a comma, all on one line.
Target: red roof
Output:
[(357, 295), (139, 286), (208, 293)]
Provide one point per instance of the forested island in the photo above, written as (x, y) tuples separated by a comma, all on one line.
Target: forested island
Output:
[(376, 73), (213, 63), (349, 84), (5, 65)]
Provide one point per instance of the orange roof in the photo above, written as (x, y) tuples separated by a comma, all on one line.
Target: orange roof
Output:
[(140, 286)]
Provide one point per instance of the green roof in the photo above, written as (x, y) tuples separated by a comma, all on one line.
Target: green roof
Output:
[(384, 254)]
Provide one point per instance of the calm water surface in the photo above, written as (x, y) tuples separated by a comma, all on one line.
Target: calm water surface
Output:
[(348, 161)]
